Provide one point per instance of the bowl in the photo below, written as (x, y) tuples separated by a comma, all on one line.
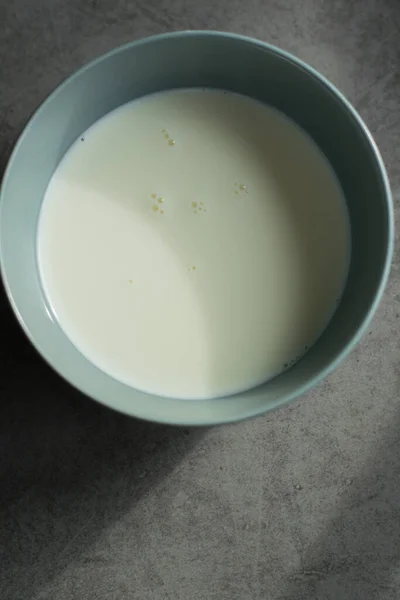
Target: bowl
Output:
[(199, 59)]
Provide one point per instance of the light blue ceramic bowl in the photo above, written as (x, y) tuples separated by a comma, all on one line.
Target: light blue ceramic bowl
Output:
[(206, 59)]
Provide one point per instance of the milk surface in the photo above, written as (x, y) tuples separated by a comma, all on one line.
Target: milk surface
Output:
[(193, 243)]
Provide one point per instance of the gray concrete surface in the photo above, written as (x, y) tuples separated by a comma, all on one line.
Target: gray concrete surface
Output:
[(302, 504)]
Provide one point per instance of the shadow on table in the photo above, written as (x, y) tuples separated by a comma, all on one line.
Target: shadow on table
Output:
[(357, 557), (68, 466)]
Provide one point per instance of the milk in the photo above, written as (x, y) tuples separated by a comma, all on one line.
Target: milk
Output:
[(193, 243)]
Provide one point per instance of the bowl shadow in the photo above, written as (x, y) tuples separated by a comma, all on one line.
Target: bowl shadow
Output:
[(68, 467)]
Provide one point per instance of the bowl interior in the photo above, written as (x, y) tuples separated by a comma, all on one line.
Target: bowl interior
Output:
[(209, 60)]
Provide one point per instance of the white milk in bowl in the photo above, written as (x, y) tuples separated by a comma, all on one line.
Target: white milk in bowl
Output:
[(193, 243)]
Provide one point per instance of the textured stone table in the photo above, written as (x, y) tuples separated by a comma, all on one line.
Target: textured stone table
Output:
[(302, 504)]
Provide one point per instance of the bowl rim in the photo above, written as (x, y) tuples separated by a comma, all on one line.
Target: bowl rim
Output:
[(287, 398)]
